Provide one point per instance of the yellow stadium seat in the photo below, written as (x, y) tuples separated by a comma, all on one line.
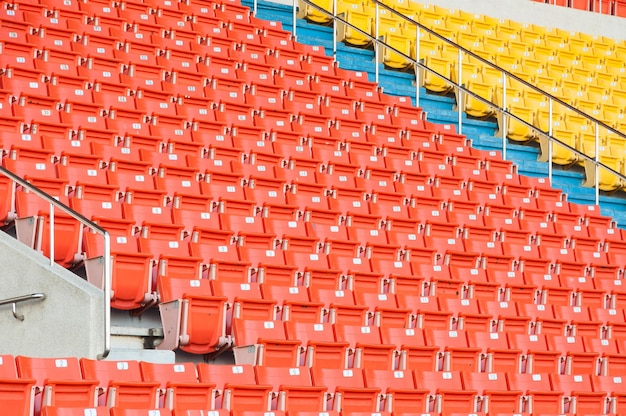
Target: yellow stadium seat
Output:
[(578, 123), (542, 117), (607, 180), (515, 129), (581, 73), (350, 5), (596, 91), (314, 15), (520, 48), (533, 98), (508, 29), (555, 67), (401, 6), (458, 17), (531, 35), (620, 123), (616, 144), (451, 53), (469, 40), (561, 155), (387, 24), (434, 23), (513, 95), (429, 45), (508, 62), (611, 113), (587, 144), (604, 77), (618, 95), (493, 43), (433, 82), (584, 103), (428, 11), (602, 43), (494, 76), (393, 59), (614, 64), (484, 24), (555, 37), (578, 43), (482, 53), (352, 36), (468, 70), (472, 105), (571, 85), (446, 33), (544, 80)]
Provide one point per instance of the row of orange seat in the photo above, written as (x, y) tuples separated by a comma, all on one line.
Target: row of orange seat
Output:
[(238, 389)]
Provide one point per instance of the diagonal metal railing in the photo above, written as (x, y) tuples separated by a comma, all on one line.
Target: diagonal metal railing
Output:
[(504, 110), (56, 205)]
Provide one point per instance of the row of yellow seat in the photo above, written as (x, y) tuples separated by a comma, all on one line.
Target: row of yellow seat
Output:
[(583, 70)]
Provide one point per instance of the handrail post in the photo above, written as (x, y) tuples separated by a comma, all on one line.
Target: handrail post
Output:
[(51, 234), (460, 94), (597, 166), (294, 17), (417, 66), (335, 30), (376, 43), (107, 296), (505, 117), (550, 140)]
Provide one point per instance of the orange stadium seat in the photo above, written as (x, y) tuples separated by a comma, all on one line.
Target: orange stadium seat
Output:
[(120, 384), (60, 381), (293, 386)]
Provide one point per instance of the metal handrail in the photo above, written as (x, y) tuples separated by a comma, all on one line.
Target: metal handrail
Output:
[(460, 87), (93, 226), (14, 301)]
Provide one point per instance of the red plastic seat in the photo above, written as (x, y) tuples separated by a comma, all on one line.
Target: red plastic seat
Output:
[(348, 386), (398, 386), (579, 396), (59, 380), (369, 352), (575, 359), (539, 357), (17, 394), (318, 344), (263, 343), (447, 390), (185, 305), (455, 352), (293, 386), (223, 375), (179, 383), (614, 388), (415, 354), (121, 384), (116, 411), (91, 411), (543, 320), (538, 394), (494, 395)]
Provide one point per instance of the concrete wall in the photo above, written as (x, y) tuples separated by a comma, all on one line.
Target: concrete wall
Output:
[(67, 323)]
